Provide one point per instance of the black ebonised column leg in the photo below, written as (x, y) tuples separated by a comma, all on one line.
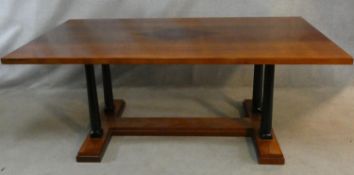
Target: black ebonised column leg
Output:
[(107, 89), (257, 88), (95, 121), (267, 109)]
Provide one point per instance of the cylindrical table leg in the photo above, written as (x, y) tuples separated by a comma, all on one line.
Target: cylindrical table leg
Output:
[(257, 88), (267, 110), (95, 121), (107, 88)]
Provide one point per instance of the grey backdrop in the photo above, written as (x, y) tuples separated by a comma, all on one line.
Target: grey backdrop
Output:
[(23, 20)]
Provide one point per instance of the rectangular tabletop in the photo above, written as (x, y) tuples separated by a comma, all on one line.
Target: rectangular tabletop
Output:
[(250, 40)]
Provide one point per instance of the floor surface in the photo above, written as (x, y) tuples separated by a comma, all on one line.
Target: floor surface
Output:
[(42, 130)]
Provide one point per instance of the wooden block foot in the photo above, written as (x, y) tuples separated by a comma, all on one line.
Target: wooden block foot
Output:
[(92, 150), (268, 151)]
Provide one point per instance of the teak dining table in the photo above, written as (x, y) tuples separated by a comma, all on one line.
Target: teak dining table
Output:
[(260, 41)]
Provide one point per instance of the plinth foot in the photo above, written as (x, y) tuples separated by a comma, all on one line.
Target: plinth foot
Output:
[(268, 150), (92, 150)]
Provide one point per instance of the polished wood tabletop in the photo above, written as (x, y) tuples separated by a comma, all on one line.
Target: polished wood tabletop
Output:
[(245, 40)]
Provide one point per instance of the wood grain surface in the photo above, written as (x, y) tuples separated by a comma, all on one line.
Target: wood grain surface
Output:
[(246, 40)]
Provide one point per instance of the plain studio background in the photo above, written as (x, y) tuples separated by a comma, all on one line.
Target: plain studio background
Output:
[(22, 21), (44, 116)]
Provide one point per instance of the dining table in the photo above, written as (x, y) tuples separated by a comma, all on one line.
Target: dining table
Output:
[(263, 42)]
